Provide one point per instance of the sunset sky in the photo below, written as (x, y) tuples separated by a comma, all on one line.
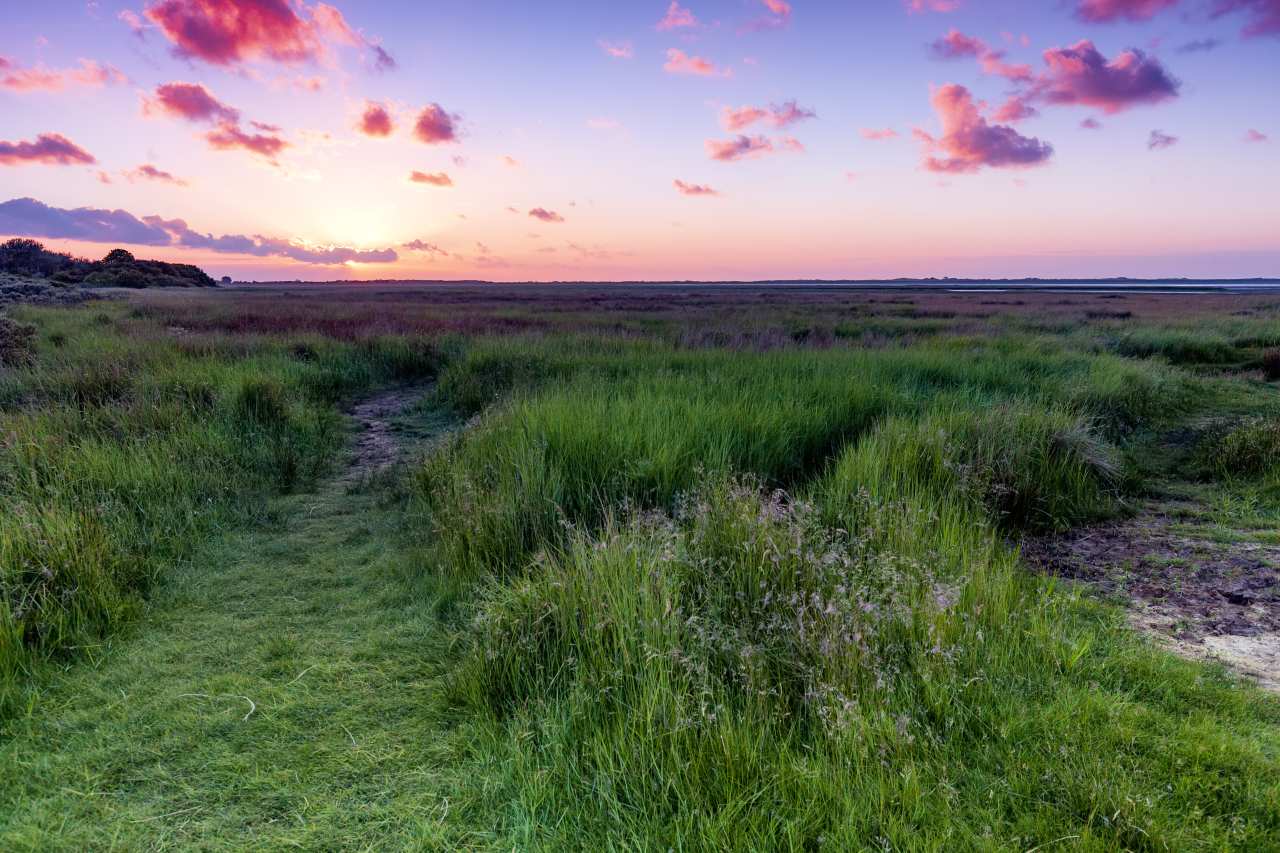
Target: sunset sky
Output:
[(714, 139)]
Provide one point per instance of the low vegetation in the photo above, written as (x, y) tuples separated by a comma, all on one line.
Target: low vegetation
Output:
[(670, 590)]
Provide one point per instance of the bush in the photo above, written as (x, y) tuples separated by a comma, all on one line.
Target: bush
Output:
[(17, 343), (28, 257), (1248, 450), (1271, 365), (118, 269)]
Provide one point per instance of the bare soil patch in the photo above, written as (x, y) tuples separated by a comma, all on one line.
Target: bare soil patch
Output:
[(1201, 598), (379, 444)]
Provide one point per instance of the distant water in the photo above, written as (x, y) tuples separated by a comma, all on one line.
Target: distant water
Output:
[(1082, 287)]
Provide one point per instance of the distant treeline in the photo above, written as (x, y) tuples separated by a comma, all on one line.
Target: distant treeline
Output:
[(118, 269)]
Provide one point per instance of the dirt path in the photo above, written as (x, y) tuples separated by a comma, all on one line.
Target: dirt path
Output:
[(380, 442), (1201, 596), (282, 692)]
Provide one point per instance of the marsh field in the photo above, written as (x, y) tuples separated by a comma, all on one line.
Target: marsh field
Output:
[(638, 568)]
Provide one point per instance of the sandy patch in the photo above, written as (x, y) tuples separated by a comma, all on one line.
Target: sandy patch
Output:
[(1200, 598)]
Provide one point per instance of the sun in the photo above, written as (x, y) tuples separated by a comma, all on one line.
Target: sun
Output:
[(361, 228)]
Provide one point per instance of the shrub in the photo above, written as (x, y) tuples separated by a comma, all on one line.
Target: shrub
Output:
[(1271, 365), (17, 343), (20, 256), (1250, 449)]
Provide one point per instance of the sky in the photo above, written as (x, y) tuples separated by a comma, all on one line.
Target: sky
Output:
[(646, 140)]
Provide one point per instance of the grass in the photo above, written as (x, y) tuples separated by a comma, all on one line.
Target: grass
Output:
[(121, 448), (664, 591), (312, 613), (684, 663)]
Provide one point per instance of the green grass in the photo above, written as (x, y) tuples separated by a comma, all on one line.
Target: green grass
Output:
[(657, 594), (722, 666), (123, 447), (313, 611)]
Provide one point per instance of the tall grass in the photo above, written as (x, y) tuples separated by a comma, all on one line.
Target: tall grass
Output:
[(640, 422), (742, 601), (745, 676), (121, 447)]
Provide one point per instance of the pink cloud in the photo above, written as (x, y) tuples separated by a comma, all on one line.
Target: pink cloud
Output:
[(223, 32), (678, 62), (1081, 75), (957, 45), (435, 179), (90, 74), (376, 121), (147, 172), (744, 147), (1105, 11), (737, 119), (1255, 136), (779, 15), (435, 126), (50, 149), (676, 18), (878, 134), (423, 246), (693, 189), (1265, 15), (993, 63), (1091, 123), (189, 101), (545, 215), (509, 161), (1160, 140), (915, 7), (228, 137), (227, 32), (618, 50), (382, 61), (1014, 110), (775, 115), (135, 23), (331, 23), (969, 143), (738, 148)]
